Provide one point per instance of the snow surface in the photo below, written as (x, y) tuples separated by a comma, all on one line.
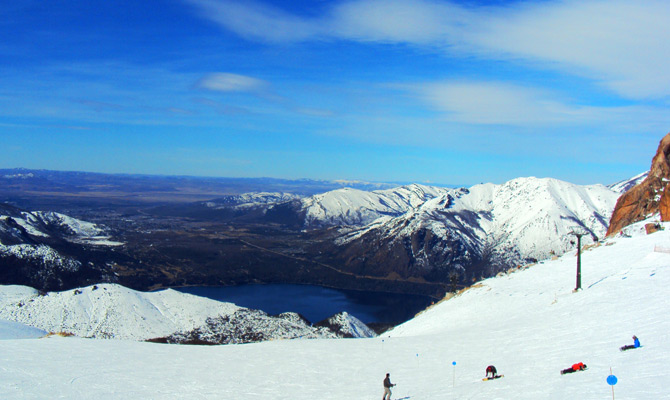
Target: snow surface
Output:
[(13, 330), (529, 324)]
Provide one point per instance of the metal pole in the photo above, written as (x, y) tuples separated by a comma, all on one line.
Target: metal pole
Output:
[(579, 262)]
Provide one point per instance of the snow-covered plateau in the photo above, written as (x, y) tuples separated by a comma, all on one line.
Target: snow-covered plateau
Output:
[(530, 324)]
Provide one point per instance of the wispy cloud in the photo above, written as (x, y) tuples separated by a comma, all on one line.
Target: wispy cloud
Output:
[(257, 21), (366, 20), (625, 45), (419, 21), (481, 102), (502, 103), (227, 82), (621, 44)]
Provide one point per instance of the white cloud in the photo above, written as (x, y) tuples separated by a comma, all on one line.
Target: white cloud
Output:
[(257, 21), (227, 82), (499, 103), (622, 44), (396, 20), (495, 103)]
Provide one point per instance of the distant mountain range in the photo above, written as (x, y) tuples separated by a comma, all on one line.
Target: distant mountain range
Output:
[(159, 188)]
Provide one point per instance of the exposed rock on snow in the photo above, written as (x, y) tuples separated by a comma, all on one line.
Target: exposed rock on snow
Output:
[(649, 197), (346, 325), (244, 326)]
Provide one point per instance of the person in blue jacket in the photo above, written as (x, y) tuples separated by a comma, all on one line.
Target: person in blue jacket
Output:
[(635, 345)]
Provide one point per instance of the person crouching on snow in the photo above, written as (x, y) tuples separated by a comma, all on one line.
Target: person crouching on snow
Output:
[(575, 367), (491, 370)]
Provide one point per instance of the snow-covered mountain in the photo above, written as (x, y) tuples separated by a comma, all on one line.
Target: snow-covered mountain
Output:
[(626, 184), (355, 207), (489, 226), (253, 199), (23, 227), (44, 249), (529, 324), (113, 311)]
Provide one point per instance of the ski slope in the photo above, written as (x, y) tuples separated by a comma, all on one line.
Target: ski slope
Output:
[(529, 324)]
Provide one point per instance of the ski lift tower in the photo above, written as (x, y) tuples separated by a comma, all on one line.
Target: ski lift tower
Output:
[(579, 233)]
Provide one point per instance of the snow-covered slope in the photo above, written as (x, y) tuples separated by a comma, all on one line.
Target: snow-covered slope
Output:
[(113, 311), (14, 330), (529, 324), (623, 186)]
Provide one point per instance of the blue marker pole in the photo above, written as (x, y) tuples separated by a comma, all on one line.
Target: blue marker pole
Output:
[(612, 380)]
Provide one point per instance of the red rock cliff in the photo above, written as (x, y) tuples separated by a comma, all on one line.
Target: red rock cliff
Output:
[(649, 197)]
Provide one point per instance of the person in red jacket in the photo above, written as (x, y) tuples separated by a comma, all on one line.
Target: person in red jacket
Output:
[(575, 367)]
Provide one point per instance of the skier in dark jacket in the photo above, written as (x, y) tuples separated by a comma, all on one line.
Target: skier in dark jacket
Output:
[(575, 367), (635, 345), (387, 387), (491, 370)]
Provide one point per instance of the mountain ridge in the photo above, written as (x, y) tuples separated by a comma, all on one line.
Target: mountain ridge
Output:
[(492, 226)]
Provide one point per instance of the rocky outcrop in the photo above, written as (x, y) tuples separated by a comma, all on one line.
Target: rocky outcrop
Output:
[(650, 197), (346, 325)]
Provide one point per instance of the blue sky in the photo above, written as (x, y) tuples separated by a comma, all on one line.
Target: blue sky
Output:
[(448, 92)]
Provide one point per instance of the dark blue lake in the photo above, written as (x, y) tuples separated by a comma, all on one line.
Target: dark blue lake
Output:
[(317, 303)]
